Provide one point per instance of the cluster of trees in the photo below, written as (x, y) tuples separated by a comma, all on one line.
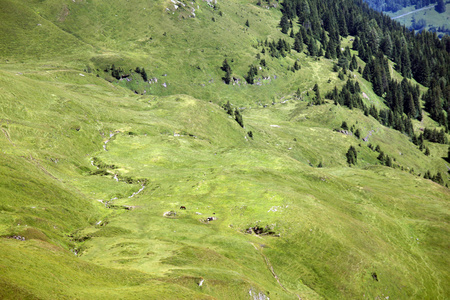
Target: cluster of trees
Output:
[(436, 98), (435, 136), (400, 97), (388, 161), (421, 56), (268, 2), (318, 98), (444, 28), (352, 129), (385, 159), (236, 114), (418, 24), (119, 73), (276, 49), (252, 72), (349, 96), (115, 72), (436, 178), (142, 72), (296, 67)]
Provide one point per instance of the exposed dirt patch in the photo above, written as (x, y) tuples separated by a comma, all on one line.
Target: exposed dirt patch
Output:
[(64, 13)]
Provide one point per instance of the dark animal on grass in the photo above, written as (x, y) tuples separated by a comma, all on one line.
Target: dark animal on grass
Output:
[(374, 276), (182, 207)]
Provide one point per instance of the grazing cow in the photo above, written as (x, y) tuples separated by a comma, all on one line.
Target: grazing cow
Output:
[(182, 207)]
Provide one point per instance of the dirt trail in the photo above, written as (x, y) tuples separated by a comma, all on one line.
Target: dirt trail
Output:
[(269, 265), (8, 137), (36, 162), (414, 11)]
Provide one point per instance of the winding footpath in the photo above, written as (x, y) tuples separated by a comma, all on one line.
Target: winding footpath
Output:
[(269, 265)]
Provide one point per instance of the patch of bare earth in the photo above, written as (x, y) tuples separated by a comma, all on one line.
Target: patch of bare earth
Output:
[(64, 13)]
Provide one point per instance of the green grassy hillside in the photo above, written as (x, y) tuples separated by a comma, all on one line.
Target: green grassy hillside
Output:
[(93, 175), (434, 21)]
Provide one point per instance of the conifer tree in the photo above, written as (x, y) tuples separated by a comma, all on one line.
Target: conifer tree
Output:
[(342, 25), (228, 109), (388, 161), (353, 64), (226, 67), (312, 46), (355, 45), (352, 156), (409, 107), (357, 87), (405, 67), (284, 24), (252, 72), (238, 117), (318, 99), (144, 75), (381, 157), (298, 45), (344, 125), (440, 7), (438, 178), (299, 35)]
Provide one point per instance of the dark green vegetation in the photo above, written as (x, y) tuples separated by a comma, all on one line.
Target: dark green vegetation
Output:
[(230, 150)]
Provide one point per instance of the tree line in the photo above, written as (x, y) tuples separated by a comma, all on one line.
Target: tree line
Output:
[(423, 56)]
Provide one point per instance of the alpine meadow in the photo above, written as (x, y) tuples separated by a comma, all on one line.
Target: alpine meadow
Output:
[(212, 149)]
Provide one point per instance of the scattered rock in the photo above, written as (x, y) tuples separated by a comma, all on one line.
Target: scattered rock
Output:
[(257, 295), (346, 132), (170, 214), (17, 237), (201, 282)]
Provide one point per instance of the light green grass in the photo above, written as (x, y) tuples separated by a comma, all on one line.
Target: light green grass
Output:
[(433, 19)]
